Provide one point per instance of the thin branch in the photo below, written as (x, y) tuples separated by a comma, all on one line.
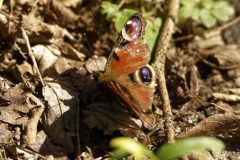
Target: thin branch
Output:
[(160, 58), (31, 55)]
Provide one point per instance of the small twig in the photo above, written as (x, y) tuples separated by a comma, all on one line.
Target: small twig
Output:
[(34, 5), (237, 112), (220, 67), (160, 58), (227, 25), (32, 153), (9, 18), (91, 49), (121, 4), (183, 38), (31, 55)]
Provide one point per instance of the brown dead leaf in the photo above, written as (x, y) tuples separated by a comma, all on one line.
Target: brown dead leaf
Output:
[(96, 64), (26, 73), (113, 116), (45, 57), (211, 38), (70, 3), (8, 115), (61, 14), (7, 62), (59, 118), (21, 108), (227, 97), (44, 146), (14, 110), (64, 64), (3, 23), (5, 134), (49, 33), (226, 55), (87, 155), (85, 84), (4, 85), (215, 125), (233, 90), (70, 52), (30, 127)]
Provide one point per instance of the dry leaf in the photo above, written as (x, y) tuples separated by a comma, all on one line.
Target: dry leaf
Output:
[(62, 15), (7, 62), (227, 97), (70, 3), (211, 39), (59, 118), (26, 73), (70, 52), (87, 155), (226, 55), (113, 116), (233, 90), (14, 108), (215, 125), (96, 64), (44, 146), (45, 57), (5, 134), (30, 127), (21, 108)]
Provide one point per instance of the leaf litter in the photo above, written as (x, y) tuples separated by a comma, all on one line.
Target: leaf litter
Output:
[(68, 111)]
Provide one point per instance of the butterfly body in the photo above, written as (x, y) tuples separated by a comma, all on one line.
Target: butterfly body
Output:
[(127, 72)]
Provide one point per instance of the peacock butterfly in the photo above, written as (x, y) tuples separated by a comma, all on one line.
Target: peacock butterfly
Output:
[(127, 72)]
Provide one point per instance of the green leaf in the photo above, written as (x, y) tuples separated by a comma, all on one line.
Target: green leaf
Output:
[(189, 3), (207, 4), (121, 18), (207, 19), (125, 145), (151, 34), (156, 0), (220, 15), (182, 146), (108, 8), (185, 12), (195, 12), (222, 10), (220, 4)]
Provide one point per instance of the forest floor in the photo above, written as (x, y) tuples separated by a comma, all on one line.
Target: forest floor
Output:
[(60, 109)]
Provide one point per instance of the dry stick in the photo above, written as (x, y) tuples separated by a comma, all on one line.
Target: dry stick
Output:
[(227, 25), (160, 66), (31, 55)]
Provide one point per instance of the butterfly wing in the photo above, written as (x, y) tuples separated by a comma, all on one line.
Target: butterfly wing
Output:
[(127, 71)]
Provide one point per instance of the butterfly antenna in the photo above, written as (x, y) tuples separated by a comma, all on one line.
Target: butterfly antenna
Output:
[(90, 49)]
